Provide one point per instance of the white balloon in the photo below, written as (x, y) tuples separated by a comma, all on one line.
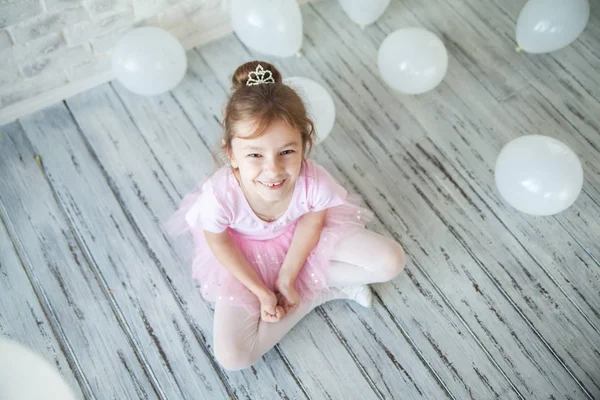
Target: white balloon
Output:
[(413, 60), (318, 102), (271, 27), (548, 25), (25, 375), (364, 12), (538, 175), (149, 61)]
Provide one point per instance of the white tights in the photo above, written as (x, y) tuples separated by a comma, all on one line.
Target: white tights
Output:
[(241, 337)]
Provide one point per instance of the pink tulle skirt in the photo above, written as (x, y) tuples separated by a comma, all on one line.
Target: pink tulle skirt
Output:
[(266, 256)]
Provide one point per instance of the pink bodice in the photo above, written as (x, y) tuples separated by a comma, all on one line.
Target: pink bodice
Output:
[(222, 204)]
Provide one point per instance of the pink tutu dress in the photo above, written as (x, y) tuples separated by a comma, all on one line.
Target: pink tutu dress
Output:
[(218, 204)]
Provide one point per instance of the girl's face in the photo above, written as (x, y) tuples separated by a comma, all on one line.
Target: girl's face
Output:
[(268, 165)]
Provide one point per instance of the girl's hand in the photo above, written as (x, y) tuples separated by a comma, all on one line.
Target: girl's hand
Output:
[(270, 311), (287, 295)]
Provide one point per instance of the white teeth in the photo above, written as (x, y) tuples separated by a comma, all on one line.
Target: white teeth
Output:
[(271, 184)]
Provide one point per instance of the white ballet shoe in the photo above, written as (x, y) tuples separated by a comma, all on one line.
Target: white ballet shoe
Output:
[(361, 294)]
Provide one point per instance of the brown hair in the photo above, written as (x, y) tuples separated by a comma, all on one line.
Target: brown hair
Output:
[(264, 104)]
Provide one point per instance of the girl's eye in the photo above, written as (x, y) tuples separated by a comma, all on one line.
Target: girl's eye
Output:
[(254, 155), (285, 152)]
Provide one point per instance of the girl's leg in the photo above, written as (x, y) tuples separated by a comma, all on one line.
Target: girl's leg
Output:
[(365, 257), (241, 338)]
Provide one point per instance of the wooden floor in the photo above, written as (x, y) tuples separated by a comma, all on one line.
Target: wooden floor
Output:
[(493, 304)]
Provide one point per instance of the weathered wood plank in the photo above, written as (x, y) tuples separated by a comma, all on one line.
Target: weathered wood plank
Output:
[(528, 112), (490, 124), (373, 85), (465, 282), (574, 66), (472, 134), (533, 113), (486, 127), (466, 37), (22, 317), (147, 171), (120, 261), (566, 78), (559, 260), (107, 365), (204, 93), (558, 322), (565, 83)]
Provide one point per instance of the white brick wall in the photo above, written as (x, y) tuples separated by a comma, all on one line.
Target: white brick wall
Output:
[(45, 24), (8, 75), (44, 46), (53, 49), (57, 62), (14, 12), (50, 49), (5, 41)]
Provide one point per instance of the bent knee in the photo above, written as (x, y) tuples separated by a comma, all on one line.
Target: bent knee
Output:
[(393, 263), (233, 358)]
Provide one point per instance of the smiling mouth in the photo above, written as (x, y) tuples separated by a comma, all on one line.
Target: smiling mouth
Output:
[(272, 185)]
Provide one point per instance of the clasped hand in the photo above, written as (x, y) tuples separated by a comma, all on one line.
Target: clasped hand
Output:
[(276, 305)]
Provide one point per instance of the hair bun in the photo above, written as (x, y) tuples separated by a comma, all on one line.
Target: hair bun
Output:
[(242, 73)]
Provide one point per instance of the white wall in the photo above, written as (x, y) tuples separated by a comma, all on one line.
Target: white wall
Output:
[(53, 49)]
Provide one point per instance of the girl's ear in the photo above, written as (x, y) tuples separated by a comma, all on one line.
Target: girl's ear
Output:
[(229, 154), (232, 162)]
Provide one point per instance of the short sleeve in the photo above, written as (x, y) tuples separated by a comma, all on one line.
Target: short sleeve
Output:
[(324, 192), (207, 213)]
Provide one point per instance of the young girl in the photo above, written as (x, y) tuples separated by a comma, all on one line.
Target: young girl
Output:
[(275, 235)]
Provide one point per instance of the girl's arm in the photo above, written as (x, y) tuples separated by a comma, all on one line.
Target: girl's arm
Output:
[(229, 255), (305, 238)]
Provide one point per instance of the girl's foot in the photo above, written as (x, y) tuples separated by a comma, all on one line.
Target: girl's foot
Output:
[(361, 294)]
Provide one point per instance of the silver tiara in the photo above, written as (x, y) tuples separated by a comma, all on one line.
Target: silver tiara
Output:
[(259, 76)]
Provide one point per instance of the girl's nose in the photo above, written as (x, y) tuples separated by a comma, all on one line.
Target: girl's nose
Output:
[(274, 167)]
